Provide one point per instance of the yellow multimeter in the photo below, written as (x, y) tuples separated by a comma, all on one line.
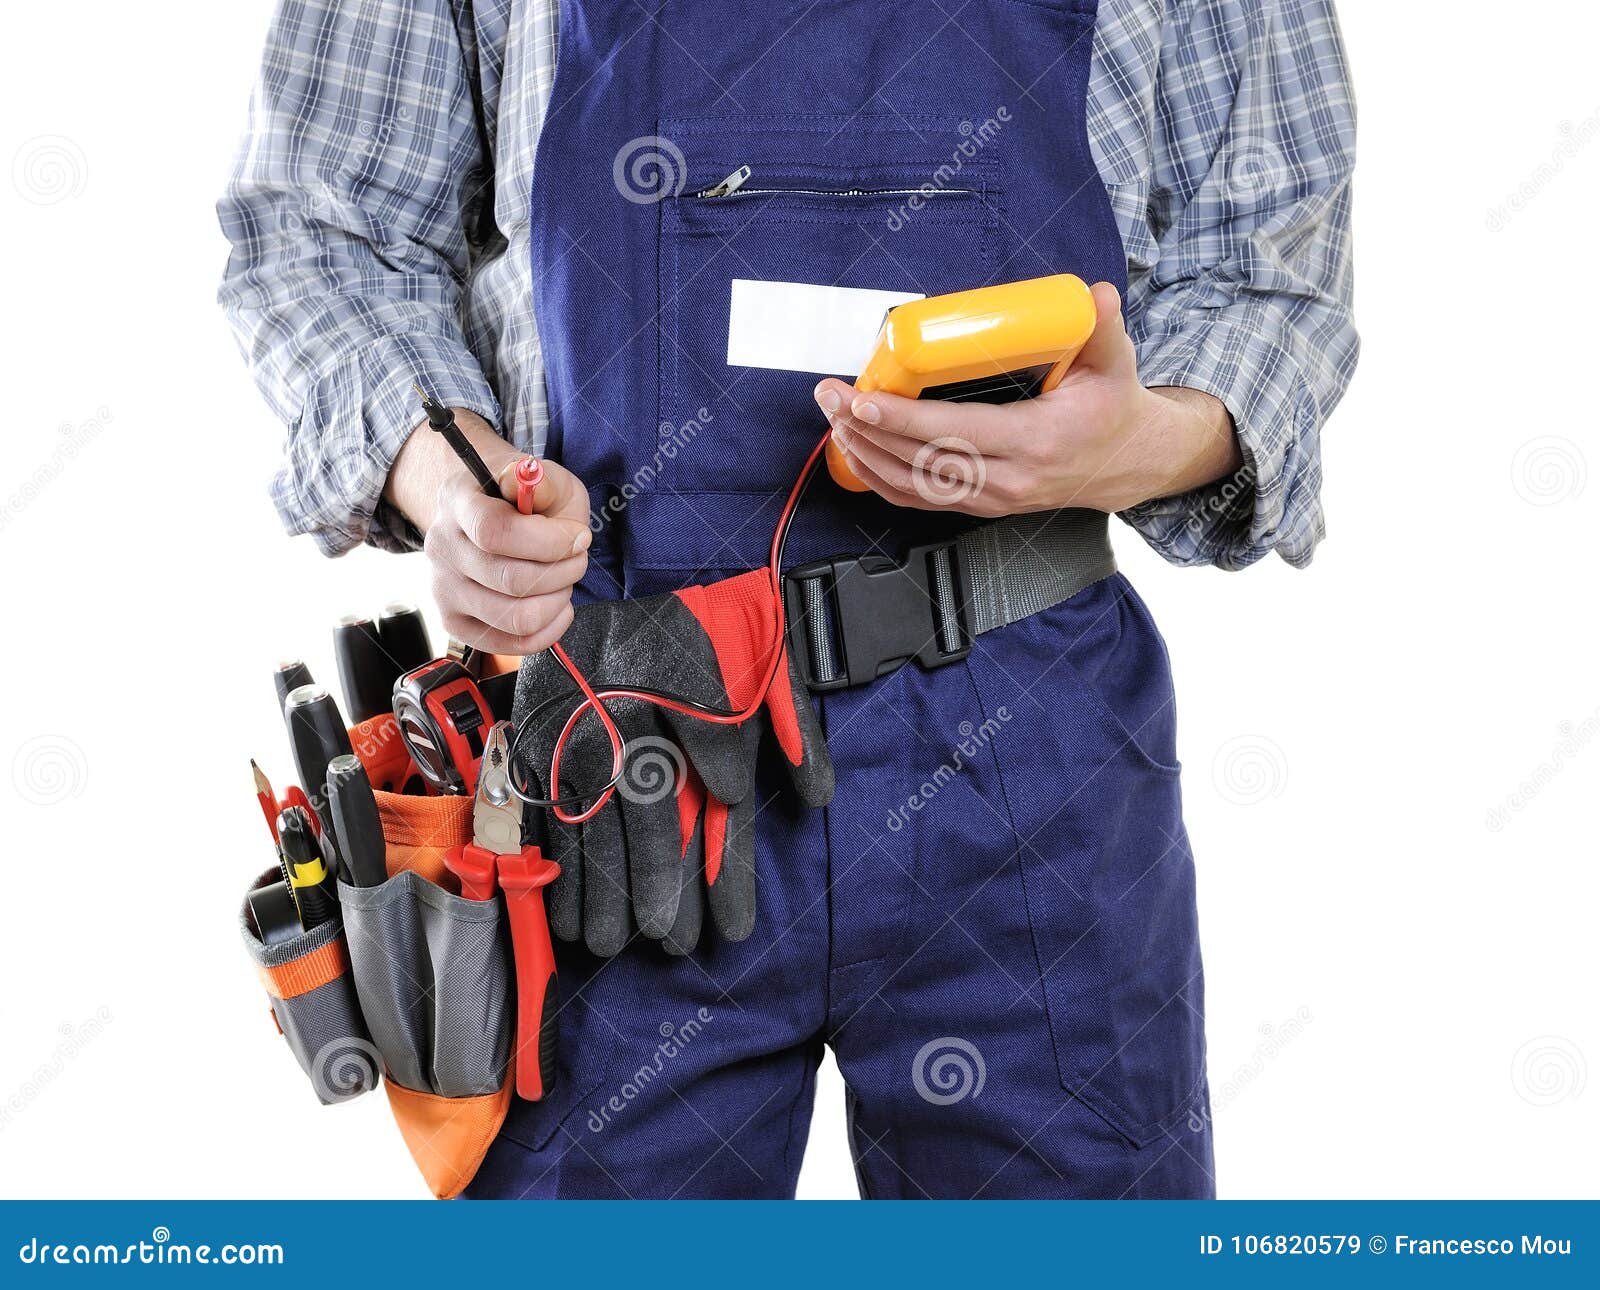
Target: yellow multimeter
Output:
[(990, 345)]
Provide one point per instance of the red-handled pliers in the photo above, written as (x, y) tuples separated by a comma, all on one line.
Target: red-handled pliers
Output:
[(496, 858)]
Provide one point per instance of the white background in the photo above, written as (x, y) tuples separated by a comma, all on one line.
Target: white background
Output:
[(1401, 982)]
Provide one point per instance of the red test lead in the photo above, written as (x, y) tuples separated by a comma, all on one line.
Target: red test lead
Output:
[(530, 473)]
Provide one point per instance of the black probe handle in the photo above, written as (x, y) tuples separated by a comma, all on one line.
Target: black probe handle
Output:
[(356, 823), (464, 449)]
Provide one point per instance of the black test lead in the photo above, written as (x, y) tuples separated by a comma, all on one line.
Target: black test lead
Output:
[(443, 420)]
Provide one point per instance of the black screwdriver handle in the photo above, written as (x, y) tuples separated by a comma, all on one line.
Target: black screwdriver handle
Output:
[(317, 735), (356, 823)]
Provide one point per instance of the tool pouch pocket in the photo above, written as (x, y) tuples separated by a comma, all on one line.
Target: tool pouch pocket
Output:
[(315, 1006), (434, 977), (433, 972)]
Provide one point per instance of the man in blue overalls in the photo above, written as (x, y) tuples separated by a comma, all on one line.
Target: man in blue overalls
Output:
[(992, 922)]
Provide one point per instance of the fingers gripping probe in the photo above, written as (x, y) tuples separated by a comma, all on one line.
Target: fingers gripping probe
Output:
[(530, 473)]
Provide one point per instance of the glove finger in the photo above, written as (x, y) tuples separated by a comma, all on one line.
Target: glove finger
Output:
[(730, 847), (730, 867), (606, 921), (718, 752), (685, 933), (565, 905), (798, 732), (566, 892), (648, 795)]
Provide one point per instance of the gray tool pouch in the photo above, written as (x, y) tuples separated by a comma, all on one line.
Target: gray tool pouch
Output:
[(433, 973), (314, 1003)]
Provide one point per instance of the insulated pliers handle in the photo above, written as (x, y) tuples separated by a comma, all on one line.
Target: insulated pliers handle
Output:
[(474, 867), (522, 878)]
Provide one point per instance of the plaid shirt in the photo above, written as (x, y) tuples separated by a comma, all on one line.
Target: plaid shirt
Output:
[(379, 222)]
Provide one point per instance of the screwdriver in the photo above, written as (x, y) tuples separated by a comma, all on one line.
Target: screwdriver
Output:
[(316, 736), (404, 635), (356, 823), (366, 676), (290, 675)]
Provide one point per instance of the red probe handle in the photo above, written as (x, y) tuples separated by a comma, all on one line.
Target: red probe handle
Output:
[(530, 471), (475, 867), (521, 879)]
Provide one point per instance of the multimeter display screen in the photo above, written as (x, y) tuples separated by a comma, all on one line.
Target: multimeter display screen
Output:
[(1003, 387)]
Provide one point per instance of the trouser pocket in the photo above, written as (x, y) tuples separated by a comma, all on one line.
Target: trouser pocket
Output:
[(307, 977), (433, 974), (1092, 786)]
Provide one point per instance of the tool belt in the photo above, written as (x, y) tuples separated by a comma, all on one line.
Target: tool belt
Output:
[(420, 983), (409, 985), (852, 619)]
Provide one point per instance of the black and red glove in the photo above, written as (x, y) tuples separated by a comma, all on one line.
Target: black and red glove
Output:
[(679, 834)]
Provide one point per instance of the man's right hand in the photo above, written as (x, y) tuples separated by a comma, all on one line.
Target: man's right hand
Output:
[(502, 581)]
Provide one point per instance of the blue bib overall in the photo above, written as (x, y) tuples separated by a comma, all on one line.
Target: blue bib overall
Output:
[(993, 924)]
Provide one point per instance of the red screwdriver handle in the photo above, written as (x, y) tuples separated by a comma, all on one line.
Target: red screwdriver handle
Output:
[(521, 879)]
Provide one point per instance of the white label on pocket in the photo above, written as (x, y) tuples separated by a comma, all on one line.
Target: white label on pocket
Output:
[(804, 327)]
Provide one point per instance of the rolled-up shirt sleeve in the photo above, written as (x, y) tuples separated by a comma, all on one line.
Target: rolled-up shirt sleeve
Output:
[(347, 213), (1249, 299)]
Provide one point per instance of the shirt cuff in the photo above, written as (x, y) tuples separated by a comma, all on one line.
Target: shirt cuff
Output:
[(1235, 521), (353, 422)]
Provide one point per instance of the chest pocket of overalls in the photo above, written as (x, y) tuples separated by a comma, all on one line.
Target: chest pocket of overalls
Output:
[(860, 202)]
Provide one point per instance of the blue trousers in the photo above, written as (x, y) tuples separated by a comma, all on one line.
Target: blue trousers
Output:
[(993, 926)]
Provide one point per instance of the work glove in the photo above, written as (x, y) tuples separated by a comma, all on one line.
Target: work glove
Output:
[(678, 836)]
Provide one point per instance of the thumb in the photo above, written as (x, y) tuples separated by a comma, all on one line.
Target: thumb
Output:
[(1107, 348), (559, 493)]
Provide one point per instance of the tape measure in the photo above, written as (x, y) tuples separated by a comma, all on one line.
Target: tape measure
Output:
[(444, 722)]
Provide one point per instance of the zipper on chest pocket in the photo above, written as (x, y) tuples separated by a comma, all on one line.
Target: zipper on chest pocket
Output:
[(735, 184)]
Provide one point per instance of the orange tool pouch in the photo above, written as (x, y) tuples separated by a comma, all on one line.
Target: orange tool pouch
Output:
[(427, 979)]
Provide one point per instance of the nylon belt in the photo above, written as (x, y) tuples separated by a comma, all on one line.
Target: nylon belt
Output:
[(858, 617), (1024, 564)]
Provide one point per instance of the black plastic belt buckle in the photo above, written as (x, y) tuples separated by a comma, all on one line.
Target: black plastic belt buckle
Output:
[(853, 619)]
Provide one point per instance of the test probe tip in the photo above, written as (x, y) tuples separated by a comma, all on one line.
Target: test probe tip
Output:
[(438, 415)]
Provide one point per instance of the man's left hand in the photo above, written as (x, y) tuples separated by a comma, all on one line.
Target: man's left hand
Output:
[(1100, 439)]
